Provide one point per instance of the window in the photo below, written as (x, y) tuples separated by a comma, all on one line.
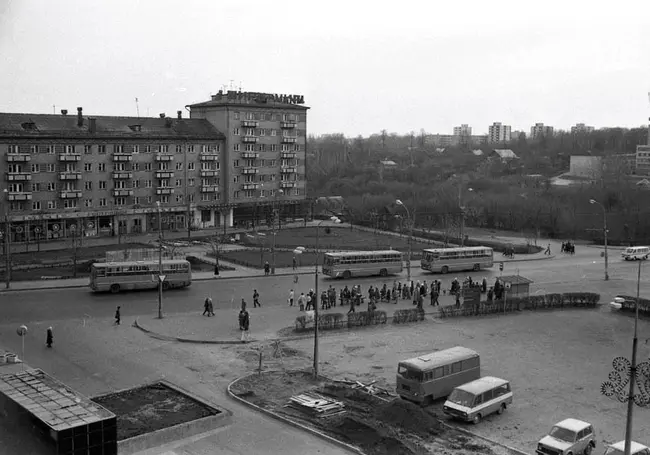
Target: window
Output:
[(250, 132), (136, 200), (101, 167), (36, 187), (235, 131), (164, 199), (135, 166), (102, 184), (51, 167), (50, 186), (237, 194), (88, 203), (120, 201), (101, 149), (455, 367), (478, 400), (137, 183), (147, 167), (470, 363), (163, 183), (69, 203), (249, 148), (190, 148), (50, 150), (190, 182), (35, 168), (148, 184), (489, 395), (51, 205), (149, 199), (438, 373), (236, 179), (88, 167), (102, 202), (88, 186), (163, 148), (274, 148), (179, 166), (236, 115), (190, 166), (235, 147), (274, 133), (205, 197), (190, 198), (179, 198), (262, 131), (33, 149), (136, 149), (36, 205), (179, 182), (147, 149), (501, 390), (204, 149), (235, 163), (69, 149)]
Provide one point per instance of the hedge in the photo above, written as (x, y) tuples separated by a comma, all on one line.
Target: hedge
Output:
[(408, 315), (333, 321), (630, 304), (530, 303)]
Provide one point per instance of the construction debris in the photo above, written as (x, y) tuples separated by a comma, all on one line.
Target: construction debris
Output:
[(370, 388), (316, 405)]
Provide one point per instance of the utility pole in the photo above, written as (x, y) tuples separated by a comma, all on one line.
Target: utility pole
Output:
[(161, 277), (7, 238)]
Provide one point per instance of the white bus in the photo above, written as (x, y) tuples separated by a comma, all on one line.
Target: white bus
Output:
[(127, 276), (446, 260), (347, 264)]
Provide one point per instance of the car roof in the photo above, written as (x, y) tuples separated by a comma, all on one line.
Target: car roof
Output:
[(635, 446), (439, 358), (482, 384), (573, 424)]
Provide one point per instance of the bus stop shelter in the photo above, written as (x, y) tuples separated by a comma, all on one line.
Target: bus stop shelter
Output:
[(517, 285)]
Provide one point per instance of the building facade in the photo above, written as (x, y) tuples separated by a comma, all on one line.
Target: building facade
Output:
[(540, 130), (499, 133), (463, 130), (581, 128), (642, 160)]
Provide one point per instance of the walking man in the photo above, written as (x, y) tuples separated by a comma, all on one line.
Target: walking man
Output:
[(267, 268), (206, 306), (294, 263), (548, 250), (244, 323), (256, 299), (49, 338), (118, 316), (290, 297), (302, 300)]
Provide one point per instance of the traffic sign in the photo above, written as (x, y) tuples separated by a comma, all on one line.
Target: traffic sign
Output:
[(501, 266), (161, 278)]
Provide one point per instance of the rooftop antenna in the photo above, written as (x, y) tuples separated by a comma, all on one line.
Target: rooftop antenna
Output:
[(231, 87), (240, 86), (137, 107)]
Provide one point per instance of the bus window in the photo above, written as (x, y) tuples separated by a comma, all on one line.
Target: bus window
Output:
[(438, 373), (409, 374), (455, 367)]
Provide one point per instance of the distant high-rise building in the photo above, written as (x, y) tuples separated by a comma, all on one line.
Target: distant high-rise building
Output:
[(581, 128), (540, 130), (463, 130), (498, 132)]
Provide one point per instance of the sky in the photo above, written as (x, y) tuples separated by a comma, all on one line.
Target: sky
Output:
[(362, 66)]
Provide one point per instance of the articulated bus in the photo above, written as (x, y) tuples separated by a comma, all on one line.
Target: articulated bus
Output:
[(347, 264), (446, 260), (127, 276), (432, 376)]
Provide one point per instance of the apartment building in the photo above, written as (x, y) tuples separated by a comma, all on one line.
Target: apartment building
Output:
[(499, 133), (463, 130), (643, 159), (581, 128), (265, 145), (540, 130)]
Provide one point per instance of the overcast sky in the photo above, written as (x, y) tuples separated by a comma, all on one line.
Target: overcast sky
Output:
[(363, 66)]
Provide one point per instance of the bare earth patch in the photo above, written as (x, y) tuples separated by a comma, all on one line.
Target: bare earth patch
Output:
[(375, 425)]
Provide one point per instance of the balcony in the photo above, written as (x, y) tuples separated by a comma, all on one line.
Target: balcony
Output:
[(164, 157), (249, 139), (287, 125), (289, 140), (122, 175), (250, 155), (209, 157), (122, 157), (122, 192), (19, 196), (70, 194), (164, 174), (288, 170), (209, 189), (70, 175), (209, 173), (19, 157), (249, 123), (165, 190), (288, 155), (18, 176), (249, 170), (250, 186), (288, 184), (69, 157)]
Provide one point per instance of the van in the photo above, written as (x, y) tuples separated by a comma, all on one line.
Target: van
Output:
[(634, 253), (477, 399)]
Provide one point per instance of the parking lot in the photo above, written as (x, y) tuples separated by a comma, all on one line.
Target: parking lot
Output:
[(556, 362)]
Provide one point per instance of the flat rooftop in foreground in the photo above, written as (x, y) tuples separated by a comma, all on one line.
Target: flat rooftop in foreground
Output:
[(56, 405)]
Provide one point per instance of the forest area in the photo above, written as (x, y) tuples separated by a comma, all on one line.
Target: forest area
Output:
[(440, 186)]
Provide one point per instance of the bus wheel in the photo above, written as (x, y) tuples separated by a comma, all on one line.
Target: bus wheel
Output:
[(383, 272), (115, 288), (501, 409), (477, 267), (347, 275), (445, 269), (165, 286), (476, 419)]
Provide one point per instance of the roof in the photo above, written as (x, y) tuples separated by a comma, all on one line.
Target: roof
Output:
[(254, 100), (440, 358), (356, 253), (574, 425), (477, 152), (136, 262), (65, 126), (515, 279), (482, 384), (50, 400), (505, 153), (635, 446), (388, 163)]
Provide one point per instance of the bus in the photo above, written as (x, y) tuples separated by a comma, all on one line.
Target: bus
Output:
[(432, 376), (131, 275), (347, 264), (446, 260)]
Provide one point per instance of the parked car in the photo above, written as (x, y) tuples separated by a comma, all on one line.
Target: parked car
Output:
[(619, 449), (568, 437), (477, 399)]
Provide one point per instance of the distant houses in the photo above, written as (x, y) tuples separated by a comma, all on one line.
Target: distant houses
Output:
[(503, 155)]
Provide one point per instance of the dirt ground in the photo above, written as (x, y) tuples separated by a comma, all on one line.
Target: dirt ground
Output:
[(378, 426)]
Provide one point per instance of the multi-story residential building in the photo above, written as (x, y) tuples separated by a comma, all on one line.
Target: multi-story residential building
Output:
[(265, 141), (540, 130), (581, 128), (463, 130), (66, 175), (643, 159), (499, 133)]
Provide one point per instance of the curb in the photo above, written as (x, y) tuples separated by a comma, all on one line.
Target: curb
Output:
[(161, 337), (288, 421), (478, 436)]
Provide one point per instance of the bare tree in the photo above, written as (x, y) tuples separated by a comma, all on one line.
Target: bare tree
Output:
[(384, 135)]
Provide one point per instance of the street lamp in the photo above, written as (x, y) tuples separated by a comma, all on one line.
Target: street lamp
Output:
[(628, 373), (276, 214), (161, 277), (7, 238), (411, 222), (462, 213), (73, 229), (335, 220), (594, 201)]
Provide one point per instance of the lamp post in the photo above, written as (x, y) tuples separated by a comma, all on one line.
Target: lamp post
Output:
[(462, 213), (593, 201), (161, 277), (276, 214), (336, 220), (73, 229), (7, 238), (628, 374), (411, 222)]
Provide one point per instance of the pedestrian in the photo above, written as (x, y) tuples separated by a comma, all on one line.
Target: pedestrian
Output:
[(267, 268), (210, 308), (294, 263), (49, 338), (118, 316), (301, 301), (548, 250), (458, 300), (244, 324), (256, 299), (206, 307), (216, 269), (309, 303), (243, 304), (290, 297)]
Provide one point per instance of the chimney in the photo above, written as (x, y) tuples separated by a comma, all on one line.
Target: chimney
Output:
[(162, 115), (179, 114), (92, 125), (80, 118), (168, 122), (64, 112)]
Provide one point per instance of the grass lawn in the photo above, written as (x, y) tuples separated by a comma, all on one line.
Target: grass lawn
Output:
[(83, 253), (252, 258)]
